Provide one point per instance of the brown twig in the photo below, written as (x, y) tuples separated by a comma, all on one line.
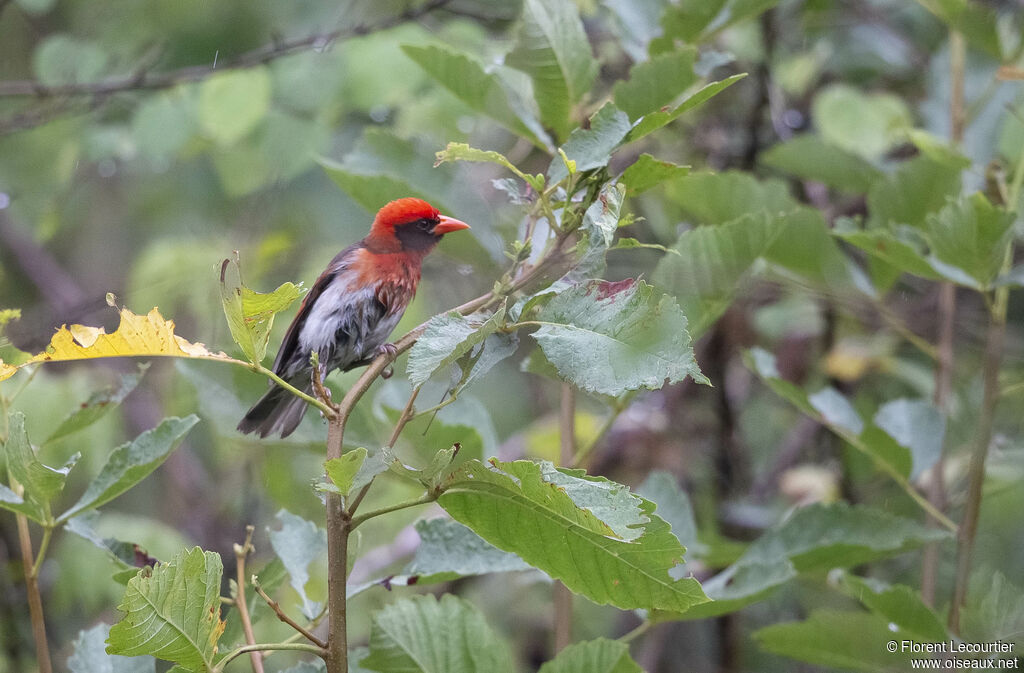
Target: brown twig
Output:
[(35, 602), (947, 315), (276, 607), (562, 597), (241, 552)]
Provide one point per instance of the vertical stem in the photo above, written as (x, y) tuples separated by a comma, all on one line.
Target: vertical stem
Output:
[(35, 602), (562, 596), (241, 604), (969, 526), (947, 315), (337, 562)]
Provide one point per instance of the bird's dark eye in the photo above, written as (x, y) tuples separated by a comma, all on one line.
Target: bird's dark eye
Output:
[(425, 225)]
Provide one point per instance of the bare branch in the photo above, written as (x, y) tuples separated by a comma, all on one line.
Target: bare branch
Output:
[(142, 79)]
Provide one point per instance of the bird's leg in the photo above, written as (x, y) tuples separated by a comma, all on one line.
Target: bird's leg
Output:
[(391, 350), (316, 375)]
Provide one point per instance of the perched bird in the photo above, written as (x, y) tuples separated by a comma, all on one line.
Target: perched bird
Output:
[(352, 307)]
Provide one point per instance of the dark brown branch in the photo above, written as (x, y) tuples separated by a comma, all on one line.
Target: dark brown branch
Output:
[(141, 80)]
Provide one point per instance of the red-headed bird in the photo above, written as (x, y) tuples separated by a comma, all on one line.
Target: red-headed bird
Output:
[(351, 308)]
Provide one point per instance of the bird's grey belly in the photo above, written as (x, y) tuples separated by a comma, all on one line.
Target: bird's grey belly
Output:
[(347, 328)]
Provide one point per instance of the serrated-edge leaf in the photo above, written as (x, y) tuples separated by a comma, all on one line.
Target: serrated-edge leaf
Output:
[(250, 314), (425, 635), (481, 90), (41, 483), (613, 337), (342, 471), (172, 612), (589, 148), (654, 83), (655, 120), (447, 338), (132, 462), (298, 543), (98, 404), (593, 656), (552, 47), (511, 506), (90, 655)]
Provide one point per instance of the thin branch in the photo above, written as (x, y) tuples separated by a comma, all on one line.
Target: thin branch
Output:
[(241, 552), (261, 647), (947, 316), (422, 500), (276, 607), (562, 597), (145, 80), (35, 602)]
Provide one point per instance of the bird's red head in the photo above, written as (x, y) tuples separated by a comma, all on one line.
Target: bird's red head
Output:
[(410, 224)]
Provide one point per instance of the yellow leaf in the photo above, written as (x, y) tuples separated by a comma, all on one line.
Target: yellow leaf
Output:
[(137, 336)]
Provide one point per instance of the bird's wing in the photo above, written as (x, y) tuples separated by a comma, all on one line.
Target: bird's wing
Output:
[(290, 342)]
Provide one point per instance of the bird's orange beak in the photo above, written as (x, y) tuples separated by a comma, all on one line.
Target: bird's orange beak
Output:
[(449, 224)]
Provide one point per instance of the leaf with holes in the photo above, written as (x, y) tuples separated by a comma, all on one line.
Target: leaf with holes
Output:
[(612, 337)]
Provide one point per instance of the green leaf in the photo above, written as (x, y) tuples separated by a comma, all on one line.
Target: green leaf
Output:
[(481, 90), (515, 507), (233, 103), (552, 48), (848, 640), (90, 655), (592, 147), (805, 247), (884, 245), (867, 125), (172, 612), (673, 504), (655, 83), (973, 235), (741, 584), (98, 404), (821, 537), (463, 152), (632, 244), (916, 425), (449, 550), (601, 220), (698, 22), (425, 635), (938, 150), (62, 59), (13, 502), (715, 198), (978, 23), (710, 262), (995, 610), (655, 120), (836, 410), (251, 314), (298, 543), (593, 656), (127, 557), (647, 172), (163, 123), (132, 462), (809, 157), (612, 337), (342, 471), (919, 187), (447, 338), (41, 482), (899, 604)]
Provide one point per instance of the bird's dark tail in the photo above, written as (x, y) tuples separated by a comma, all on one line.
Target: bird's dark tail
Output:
[(276, 412)]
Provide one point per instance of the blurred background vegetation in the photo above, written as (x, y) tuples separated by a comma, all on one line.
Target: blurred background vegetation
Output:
[(162, 157)]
